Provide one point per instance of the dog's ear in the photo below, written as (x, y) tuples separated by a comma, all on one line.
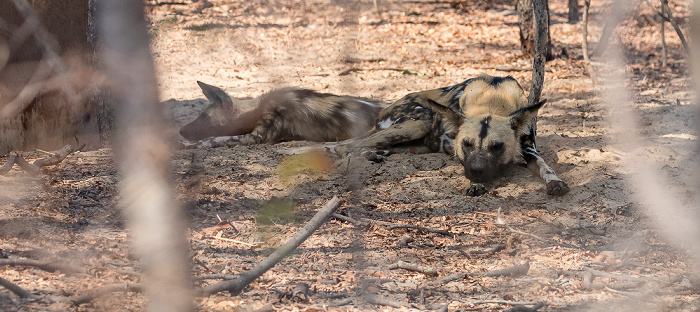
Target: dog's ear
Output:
[(217, 97), (455, 117), (522, 117)]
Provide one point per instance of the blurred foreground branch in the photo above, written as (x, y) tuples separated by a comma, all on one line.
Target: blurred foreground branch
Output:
[(153, 214)]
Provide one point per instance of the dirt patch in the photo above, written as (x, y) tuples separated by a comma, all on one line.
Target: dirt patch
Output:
[(247, 49)]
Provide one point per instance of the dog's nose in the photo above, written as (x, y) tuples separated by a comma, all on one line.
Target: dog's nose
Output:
[(476, 169)]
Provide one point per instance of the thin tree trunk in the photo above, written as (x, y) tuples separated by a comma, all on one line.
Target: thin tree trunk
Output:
[(573, 11), (664, 52), (584, 41), (541, 35), (527, 29)]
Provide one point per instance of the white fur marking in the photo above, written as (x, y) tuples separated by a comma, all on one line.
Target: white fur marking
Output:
[(366, 103), (458, 94), (444, 137), (386, 123), (546, 172), (223, 139)]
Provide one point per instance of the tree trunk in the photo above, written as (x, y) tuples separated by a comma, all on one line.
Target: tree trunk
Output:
[(573, 11), (527, 29), (46, 82)]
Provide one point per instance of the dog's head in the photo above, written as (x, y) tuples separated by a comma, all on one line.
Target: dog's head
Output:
[(215, 119), (487, 144)]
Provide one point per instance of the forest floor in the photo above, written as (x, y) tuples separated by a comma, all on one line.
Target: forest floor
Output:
[(72, 214)]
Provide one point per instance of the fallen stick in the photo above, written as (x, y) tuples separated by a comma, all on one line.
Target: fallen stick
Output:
[(237, 241), (413, 267), (521, 308), (392, 226), (8, 165), (104, 290), (34, 168), (498, 301), (15, 289), (372, 299), (215, 276), (235, 286), (50, 266), (422, 228), (517, 270)]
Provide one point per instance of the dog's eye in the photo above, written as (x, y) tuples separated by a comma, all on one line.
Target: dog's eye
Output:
[(496, 147), (467, 144)]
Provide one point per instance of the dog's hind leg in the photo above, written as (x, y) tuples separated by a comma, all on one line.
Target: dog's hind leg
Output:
[(536, 164), (402, 132)]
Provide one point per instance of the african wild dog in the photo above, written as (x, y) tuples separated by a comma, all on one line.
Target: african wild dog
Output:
[(281, 115), (484, 121)]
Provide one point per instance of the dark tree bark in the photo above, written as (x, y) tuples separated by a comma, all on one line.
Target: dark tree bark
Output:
[(573, 11), (541, 36), (527, 28)]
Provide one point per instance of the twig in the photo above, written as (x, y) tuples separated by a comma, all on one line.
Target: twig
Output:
[(391, 226), (57, 157), (8, 165), (237, 241), (355, 69), (15, 289), (413, 267), (517, 270), (526, 234), (235, 286), (215, 276), (27, 167), (35, 167), (534, 308), (50, 266), (372, 299), (449, 278), (666, 15), (104, 290), (498, 301), (669, 17)]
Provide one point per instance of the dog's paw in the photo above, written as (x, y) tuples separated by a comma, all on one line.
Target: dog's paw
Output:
[(342, 150), (557, 188), (375, 155), (476, 189)]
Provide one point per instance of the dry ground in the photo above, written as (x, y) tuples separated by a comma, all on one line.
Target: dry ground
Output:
[(247, 48)]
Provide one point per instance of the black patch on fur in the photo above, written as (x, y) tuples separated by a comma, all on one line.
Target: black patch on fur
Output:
[(498, 80), (484, 127), (306, 93)]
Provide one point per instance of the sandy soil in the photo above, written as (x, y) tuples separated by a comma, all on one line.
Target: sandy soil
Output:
[(72, 211)]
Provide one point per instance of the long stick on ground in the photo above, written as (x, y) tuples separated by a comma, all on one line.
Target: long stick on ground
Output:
[(235, 286)]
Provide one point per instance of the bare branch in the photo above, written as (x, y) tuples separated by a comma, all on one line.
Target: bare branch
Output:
[(50, 266), (104, 290), (15, 289), (235, 286)]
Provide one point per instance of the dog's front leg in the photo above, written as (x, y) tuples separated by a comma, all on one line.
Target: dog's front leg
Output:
[(536, 164)]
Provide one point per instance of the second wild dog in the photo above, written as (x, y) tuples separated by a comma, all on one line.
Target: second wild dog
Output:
[(281, 115)]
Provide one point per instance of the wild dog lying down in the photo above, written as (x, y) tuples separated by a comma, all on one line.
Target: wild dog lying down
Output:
[(282, 115), (485, 122)]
